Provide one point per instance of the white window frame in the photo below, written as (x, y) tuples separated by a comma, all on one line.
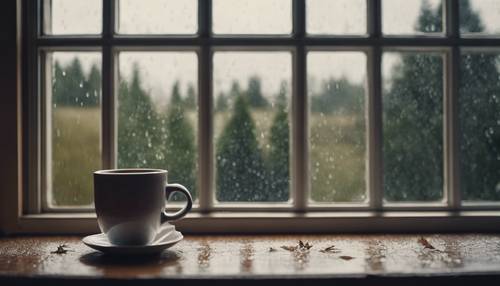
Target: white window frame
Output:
[(23, 202)]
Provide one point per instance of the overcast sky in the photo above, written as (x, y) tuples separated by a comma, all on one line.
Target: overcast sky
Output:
[(160, 70)]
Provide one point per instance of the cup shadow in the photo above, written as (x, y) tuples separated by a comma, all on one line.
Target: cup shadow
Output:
[(100, 259)]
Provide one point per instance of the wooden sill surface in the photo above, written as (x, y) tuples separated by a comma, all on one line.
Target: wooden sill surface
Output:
[(355, 259)]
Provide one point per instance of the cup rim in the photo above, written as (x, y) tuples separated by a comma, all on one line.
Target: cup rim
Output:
[(130, 171)]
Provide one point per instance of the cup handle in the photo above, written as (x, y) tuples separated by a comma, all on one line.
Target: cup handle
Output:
[(169, 190)]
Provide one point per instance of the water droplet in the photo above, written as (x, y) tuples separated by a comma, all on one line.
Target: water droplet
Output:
[(81, 84), (63, 73)]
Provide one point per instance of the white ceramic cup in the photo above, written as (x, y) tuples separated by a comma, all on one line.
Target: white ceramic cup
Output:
[(130, 204)]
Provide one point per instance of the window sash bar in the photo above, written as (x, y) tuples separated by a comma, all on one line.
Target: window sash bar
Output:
[(292, 40), (452, 145), (108, 100), (374, 110), (299, 189), (206, 184)]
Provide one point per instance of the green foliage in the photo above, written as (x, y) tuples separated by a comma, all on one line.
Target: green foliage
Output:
[(138, 127), (221, 103), (254, 93), (337, 94), (179, 144), (413, 148), (240, 166), (71, 87), (278, 160)]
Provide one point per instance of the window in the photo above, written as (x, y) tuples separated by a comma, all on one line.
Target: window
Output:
[(268, 108)]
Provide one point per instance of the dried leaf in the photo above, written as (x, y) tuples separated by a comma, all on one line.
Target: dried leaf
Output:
[(303, 245), (346, 257), (425, 243), (61, 249), (330, 249)]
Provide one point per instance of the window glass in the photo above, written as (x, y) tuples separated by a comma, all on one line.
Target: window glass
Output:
[(336, 17), (252, 16), (73, 126), (252, 126), (63, 17), (479, 114), (479, 16), (157, 16), (413, 126), (157, 114), (337, 138), (406, 17)]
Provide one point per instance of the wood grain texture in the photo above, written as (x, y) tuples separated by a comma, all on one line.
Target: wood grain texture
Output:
[(390, 259)]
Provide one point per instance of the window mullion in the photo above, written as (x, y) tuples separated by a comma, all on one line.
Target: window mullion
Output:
[(451, 106), (205, 146), (300, 162), (374, 109), (108, 130)]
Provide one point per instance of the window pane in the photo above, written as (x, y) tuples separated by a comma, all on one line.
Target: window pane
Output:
[(252, 125), (479, 114), (252, 16), (336, 17), (73, 125), (413, 126), (62, 17), (337, 144), (403, 17), (480, 16), (157, 16), (157, 114)]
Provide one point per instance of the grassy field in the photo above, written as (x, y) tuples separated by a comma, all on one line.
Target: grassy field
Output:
[(76, 153), (337, 153)]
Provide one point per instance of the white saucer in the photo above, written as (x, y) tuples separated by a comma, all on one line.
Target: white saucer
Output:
[(166, 237)]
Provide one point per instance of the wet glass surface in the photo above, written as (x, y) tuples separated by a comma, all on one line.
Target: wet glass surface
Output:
[(337, 137), (73, 126)]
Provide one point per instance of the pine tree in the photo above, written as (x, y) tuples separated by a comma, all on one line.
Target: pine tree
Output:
[(190, 101), (479, 115), (254, 93), (180, 152), (240, 167), (93, 87), (221, 103), (278, 160), (137, 126), (413, 142)]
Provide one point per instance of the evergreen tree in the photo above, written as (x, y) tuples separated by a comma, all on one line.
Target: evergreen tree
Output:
[(254, 93), (479, 114), (190, 101), (137, 126), (93, 87), (72, 88), (413, 141), (179, 145), (240, 168), (336, 94), (221, 102), (278, 160)]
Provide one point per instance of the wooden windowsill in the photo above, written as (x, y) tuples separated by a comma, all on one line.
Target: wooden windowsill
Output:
[(356, 259)]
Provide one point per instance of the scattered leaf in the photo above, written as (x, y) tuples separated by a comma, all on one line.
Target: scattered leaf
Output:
[(346, 257), (425, 243), (303, 245), (272, 249), (61, 249), (330, 249)]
